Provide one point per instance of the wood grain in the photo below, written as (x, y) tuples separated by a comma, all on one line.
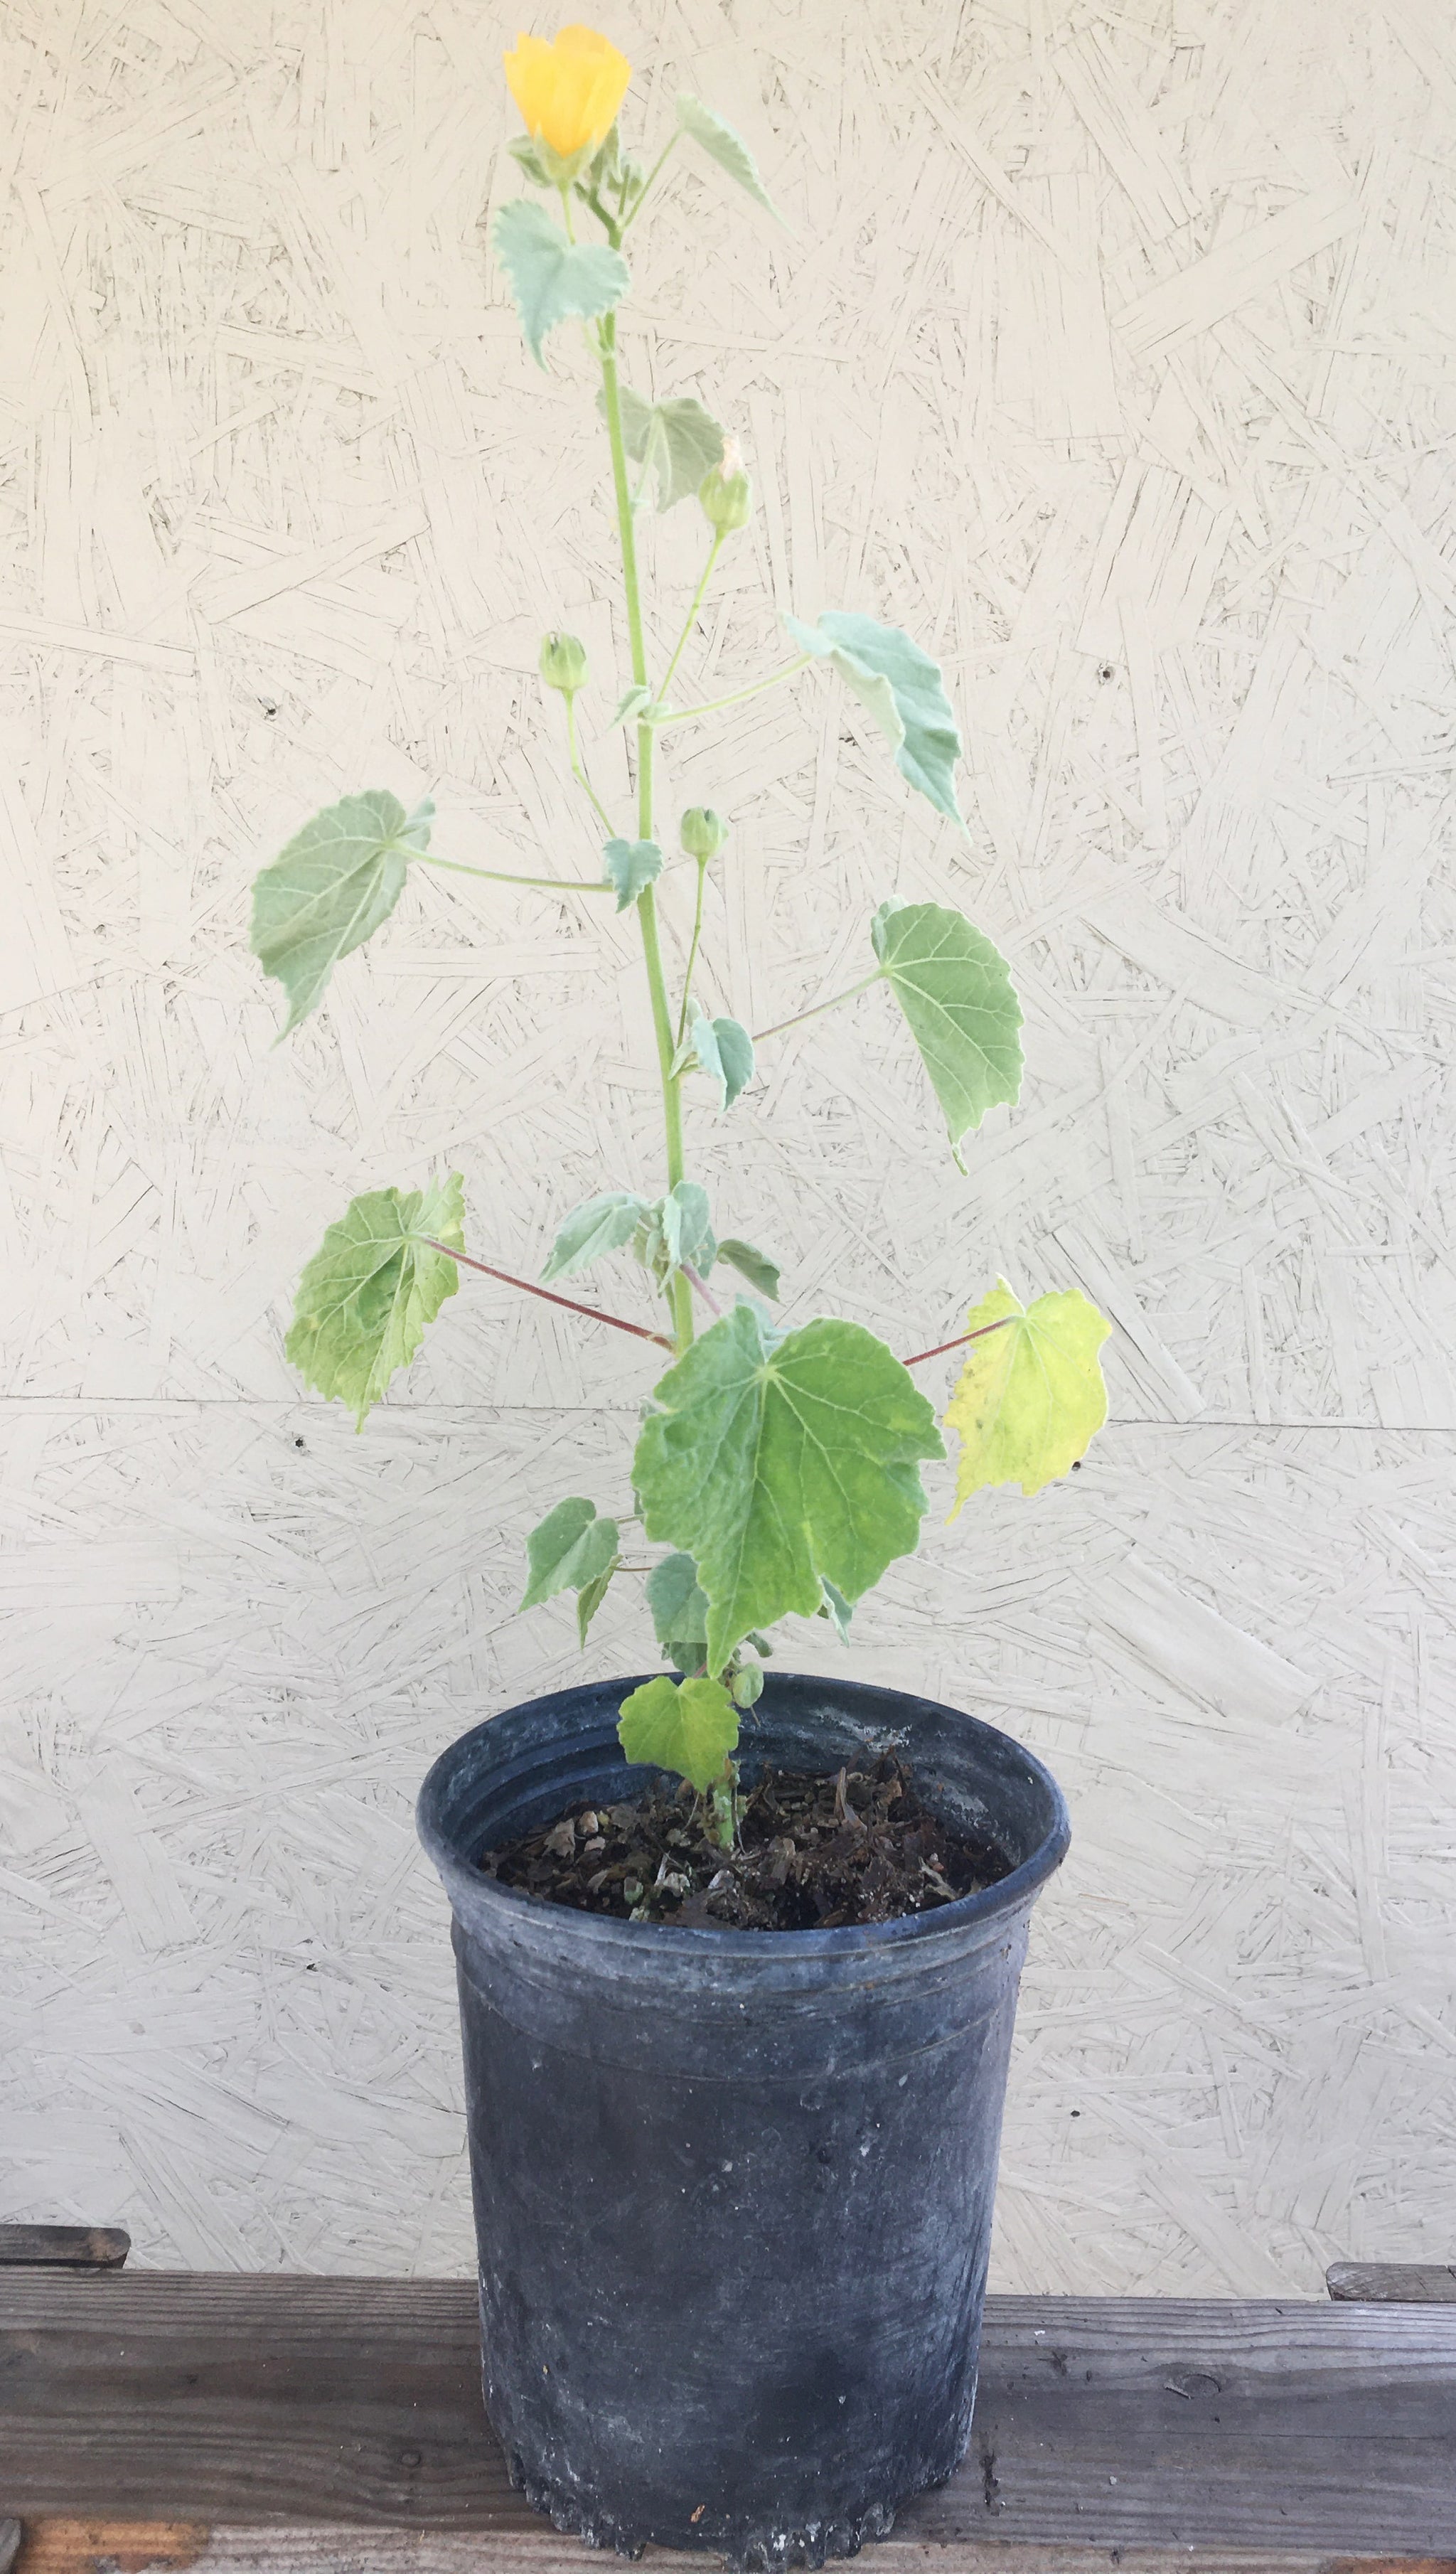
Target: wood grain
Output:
[(1415, 2284), (59, 2546), (187, 2399), (63, 2247)]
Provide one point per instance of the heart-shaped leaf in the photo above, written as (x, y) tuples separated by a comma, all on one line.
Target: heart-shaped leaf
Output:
[(554, 279), (1031, 1395), (371, 1288), (338, 878), (568, 1550), (902, 687), (677, 442), (631, 866), (688, 1725), (773, 1466), (955, 990)]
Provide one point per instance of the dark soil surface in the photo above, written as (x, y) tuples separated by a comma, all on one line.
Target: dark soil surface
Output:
[(814, 1855)]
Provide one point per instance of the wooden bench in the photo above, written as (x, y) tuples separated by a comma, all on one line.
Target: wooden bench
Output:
[(274, 2424)]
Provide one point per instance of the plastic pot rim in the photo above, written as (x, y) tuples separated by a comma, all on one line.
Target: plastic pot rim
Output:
[(1009, 1894)]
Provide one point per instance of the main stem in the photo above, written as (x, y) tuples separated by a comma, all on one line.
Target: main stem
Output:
[(680, 1294)]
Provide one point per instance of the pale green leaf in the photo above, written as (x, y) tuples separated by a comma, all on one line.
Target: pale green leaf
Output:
[(690, 1726), (677, 1233), (726, 146), (596, 1226), (756, 1266), (955, 990), (725, 1051), (677, 1603), (902, 689), (688, 1228), (522, 150), (554, 279), (631, 866), (569, 1549), (837, 1610), (371, 1288), (338, 878), (591, 1597), (677, 441), (777, 1466), (1031, 1395), (747, 1685), (632, 701)]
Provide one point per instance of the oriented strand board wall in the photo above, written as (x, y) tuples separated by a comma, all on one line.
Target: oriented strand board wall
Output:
[(1112, 354)]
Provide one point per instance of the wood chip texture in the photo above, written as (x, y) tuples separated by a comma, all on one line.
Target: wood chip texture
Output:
[(1108, 351)]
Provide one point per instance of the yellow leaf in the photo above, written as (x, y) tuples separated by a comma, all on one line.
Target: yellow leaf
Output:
[(569, 90), (1031, 1395)]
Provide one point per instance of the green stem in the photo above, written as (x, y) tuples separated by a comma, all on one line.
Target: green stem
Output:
[(797, 1021), (714, 552), (649, 182), (578, 768), (495, 875), (680, 1294), (737, 696), (692, 952)]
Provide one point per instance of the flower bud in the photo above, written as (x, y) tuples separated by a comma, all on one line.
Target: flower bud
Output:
[(562, 662), (725, 491), (701, 831)]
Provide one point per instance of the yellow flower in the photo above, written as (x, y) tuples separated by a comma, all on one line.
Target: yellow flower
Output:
[(569, 92)]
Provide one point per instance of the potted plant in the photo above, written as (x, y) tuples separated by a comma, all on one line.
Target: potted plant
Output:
[(733, 2117)]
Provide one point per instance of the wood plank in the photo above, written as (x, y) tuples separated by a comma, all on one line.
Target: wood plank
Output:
[(187, 2547), (1400, 2283), (63, 2247), (233, 2399)]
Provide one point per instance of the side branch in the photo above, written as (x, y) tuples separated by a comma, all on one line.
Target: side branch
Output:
[(527, 1287), (943, 1346), (492, 876)]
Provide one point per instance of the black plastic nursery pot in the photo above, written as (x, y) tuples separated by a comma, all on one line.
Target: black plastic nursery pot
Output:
[(733, 2189)]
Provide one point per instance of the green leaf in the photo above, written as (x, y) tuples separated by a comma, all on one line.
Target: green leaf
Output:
[(837, 1610), (756, 1266), (747, 1685), (677, 1233), (678, 1603), (726, 146), (554, 279), (338, 878), (688, 1228), (522, 147), (955, 990), (569, 1549), (631, 866), (371, 1286), (591, 1597), (775, 1466), (632, 701), (900, 686), (688, 1725), (677, 442), (598, 1226), (725, 1051), (1031, 1395)]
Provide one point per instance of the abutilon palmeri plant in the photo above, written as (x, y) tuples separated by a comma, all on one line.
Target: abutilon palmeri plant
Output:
[(780, 1468)]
